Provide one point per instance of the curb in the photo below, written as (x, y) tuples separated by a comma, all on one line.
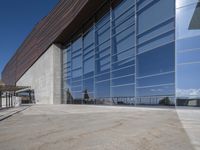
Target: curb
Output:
[(13, 113)]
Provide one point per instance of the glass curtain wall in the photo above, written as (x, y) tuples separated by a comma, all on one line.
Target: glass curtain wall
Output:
[(128, 53), (188, 52), (155, 52)]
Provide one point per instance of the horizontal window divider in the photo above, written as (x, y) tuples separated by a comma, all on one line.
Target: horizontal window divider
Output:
[(102, 32), (157, 74), (123, 76), (187, 50), (114, 25), (147, 5), (99, 21), (129, 8), (188, 63), (130, 57), (85, 55), (87, 47), (76, 91), (68, 78), (88, 30), (75, 81), (76, 56), (102, 57), (153, 96), (153, 37), (100, 74), (86, 59), (132, 47), (88, 91), (107, 40), (155, 26), (75, 69), (76, 50), (188, 37), (92, 77), (74, 86), (97, 82), (144, 87), (113, 86), (103, 49), (105, 64), (114, 70), (155, 47), (113, 35), (97, 59)]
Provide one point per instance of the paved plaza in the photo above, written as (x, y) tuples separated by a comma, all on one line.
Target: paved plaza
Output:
[(85, 127)]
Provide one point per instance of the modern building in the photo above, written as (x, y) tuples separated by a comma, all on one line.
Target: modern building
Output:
[(113, 52)]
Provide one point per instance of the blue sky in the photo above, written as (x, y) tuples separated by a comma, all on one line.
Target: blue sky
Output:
[(17, 19)]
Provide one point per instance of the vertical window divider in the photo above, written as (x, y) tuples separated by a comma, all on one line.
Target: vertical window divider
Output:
[(70, 46), (82, 46), (94, 82), (175, 67), (135, 95), (111, 48)]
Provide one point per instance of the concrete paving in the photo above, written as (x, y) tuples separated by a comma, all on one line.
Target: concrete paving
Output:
[(8, 112), (79, 127), (190, 119)]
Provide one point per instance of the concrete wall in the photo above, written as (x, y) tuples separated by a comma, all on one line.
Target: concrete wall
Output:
[(44, 77)]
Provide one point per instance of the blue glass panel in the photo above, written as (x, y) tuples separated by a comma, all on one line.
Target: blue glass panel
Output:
[(166, 9), (163, 90), (88, 85), (189, 56), (125, 39), (76, 88), (88, 38), (104, 20), (77, 95), (156, 61), (124, 55), (188, 43), (123, 63), (188, 76), (77, 44), (156, 80), (102, 89), (124, 5), (77, 74), (167, 26), (156, 41), (123, 72), (102, 77), (123, 25), (76, 83), (103, 65), (88, 66), (76, 62), (123, 80), (122, 91)]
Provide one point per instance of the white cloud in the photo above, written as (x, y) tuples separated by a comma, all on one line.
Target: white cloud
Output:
[(191, 93)]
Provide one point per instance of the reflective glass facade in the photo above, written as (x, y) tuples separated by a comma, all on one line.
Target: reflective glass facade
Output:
[(188, 52), (129, 55)]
